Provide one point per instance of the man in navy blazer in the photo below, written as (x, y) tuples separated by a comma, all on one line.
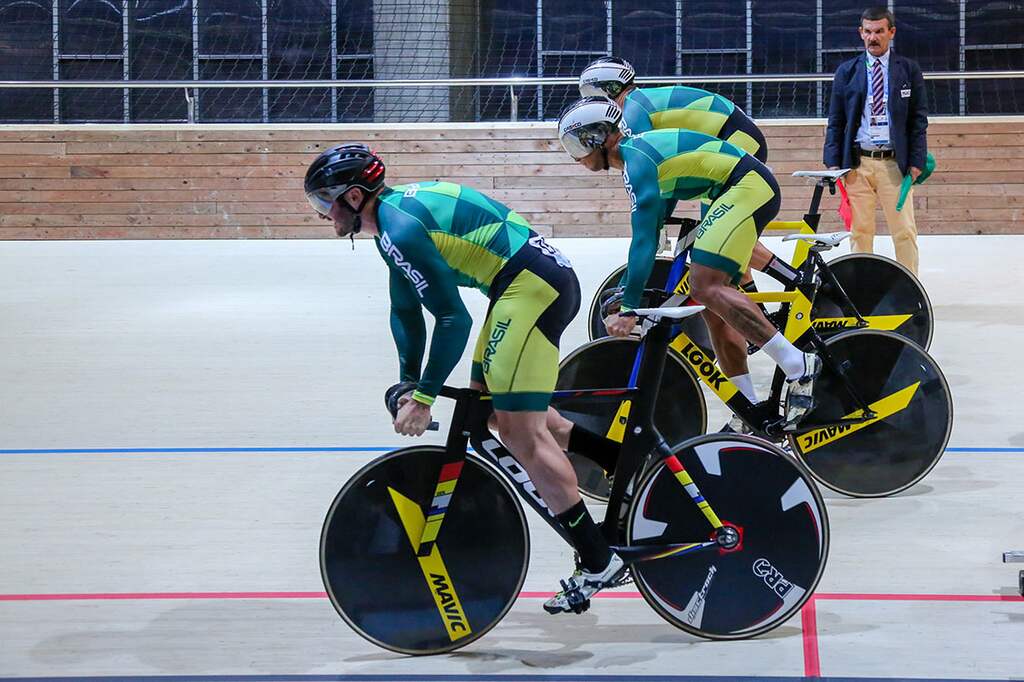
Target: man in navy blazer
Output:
[(877, 124)]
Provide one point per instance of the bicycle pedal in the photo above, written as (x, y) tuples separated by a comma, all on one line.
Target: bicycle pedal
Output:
[(577, 602)]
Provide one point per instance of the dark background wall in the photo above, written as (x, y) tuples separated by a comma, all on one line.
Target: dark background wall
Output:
[(361, 39)]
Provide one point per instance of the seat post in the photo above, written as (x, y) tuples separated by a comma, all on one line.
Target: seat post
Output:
[(819, 188)]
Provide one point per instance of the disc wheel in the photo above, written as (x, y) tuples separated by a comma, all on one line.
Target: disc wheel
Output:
[(905, 388), (774, 505), (375, 580), (693, 326), (681, 412), (878, 287)]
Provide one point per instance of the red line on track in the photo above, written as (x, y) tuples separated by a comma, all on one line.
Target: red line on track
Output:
[(809, 621), (917, 597)]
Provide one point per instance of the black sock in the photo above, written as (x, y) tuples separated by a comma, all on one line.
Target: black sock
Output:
[(750, 287), (586, 537), (598, 449), (781, 271)]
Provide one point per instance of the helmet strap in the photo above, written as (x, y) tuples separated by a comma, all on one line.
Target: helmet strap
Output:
[(357, 221), (604, 157)]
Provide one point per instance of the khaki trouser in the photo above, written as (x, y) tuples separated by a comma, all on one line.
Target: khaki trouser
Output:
[(879, 180)]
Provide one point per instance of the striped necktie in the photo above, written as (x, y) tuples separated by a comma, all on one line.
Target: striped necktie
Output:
[(877, 89)]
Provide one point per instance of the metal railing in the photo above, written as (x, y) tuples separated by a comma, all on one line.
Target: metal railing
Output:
[(511, 83)]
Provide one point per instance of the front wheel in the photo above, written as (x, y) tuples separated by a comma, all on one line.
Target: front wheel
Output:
[(694, 326), (433, 604), (769, 498), (680, 413), (884, 292), (904, 387)]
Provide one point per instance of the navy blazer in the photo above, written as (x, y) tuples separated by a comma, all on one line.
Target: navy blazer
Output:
[(908, 116)]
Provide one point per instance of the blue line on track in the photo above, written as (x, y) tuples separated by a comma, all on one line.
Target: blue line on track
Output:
[(369, 448), (469, 678)]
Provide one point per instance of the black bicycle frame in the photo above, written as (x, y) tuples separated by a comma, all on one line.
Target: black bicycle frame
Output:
[(641, 440)]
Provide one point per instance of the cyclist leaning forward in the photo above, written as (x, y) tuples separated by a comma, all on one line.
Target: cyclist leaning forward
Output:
[(436, 237), (673, 107), (668, 165), (679, 106)]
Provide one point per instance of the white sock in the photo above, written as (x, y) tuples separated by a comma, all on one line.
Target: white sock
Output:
[(786, 355), (746, 386)]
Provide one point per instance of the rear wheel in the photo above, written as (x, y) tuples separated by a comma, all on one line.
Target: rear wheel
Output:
[(772, 502), (904, 387), (681, 412), (427, 605), (883, 291)]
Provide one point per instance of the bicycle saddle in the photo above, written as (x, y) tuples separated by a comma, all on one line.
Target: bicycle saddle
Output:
[(667, 314), (830, 175), (825, 240)]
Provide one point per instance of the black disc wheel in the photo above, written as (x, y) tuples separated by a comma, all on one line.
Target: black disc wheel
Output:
[(440, 602), (772, 505), (906, 390), (693, 326), (884, 292), (681, 412)]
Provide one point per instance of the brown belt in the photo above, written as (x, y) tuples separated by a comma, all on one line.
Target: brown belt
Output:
[(879, 154)]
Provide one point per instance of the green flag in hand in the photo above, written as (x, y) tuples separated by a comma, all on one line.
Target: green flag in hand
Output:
[(929, 167)]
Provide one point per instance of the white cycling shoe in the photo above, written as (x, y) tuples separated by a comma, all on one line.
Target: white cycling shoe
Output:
[(800, 398), (582, 585), (736, 425)]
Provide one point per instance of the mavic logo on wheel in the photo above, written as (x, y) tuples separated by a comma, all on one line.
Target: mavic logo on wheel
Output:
[(453, 616), (497, 335), (885, 322), (415, 276), (884, 408), (705, 367), (825, 435), (841, 323), (772, 578)]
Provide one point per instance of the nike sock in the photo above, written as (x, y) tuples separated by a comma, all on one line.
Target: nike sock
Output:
[(586, 537), (598, 449), (781, 271), (786, 355), (746, 386)]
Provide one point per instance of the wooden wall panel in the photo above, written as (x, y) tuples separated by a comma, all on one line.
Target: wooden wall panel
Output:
[(227, 182)]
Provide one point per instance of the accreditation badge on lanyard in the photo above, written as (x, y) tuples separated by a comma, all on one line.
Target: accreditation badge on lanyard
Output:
[(878, 125)]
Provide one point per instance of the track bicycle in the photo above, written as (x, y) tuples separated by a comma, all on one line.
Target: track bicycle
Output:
[(862, 291), (426, 548), (883, 410)]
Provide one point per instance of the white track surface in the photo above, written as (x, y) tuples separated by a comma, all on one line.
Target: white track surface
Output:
[(285, 344)]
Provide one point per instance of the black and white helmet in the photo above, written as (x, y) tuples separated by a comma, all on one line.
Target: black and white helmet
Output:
[(585, 125), (606, 77)]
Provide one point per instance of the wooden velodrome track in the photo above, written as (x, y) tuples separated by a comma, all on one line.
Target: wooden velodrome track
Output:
[(176, 416)]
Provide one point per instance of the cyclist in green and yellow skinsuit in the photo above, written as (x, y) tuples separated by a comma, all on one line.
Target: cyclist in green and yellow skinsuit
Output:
[(678, 106), (666, 165), (674, 107), (436, 237)]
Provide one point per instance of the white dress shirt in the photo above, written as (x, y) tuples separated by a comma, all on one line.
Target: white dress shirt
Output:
[(863, 138)]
